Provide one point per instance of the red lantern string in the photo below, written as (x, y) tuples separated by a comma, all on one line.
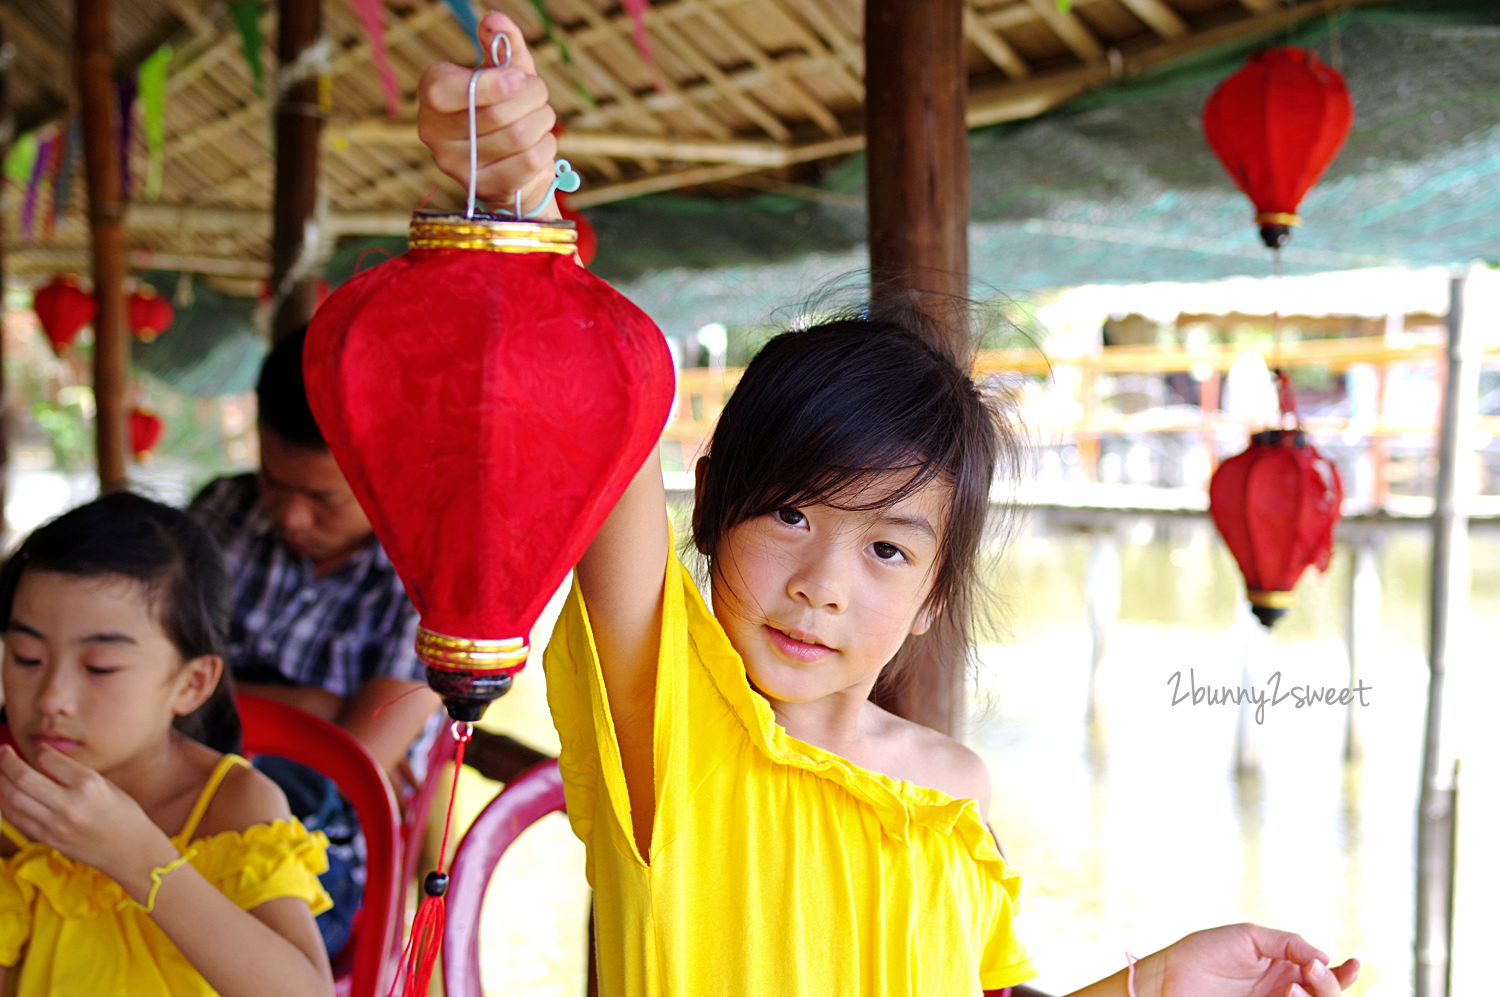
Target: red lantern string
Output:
[(419, 958)]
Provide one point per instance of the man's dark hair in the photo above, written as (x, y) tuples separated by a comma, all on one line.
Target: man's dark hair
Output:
[(164, 549), (822, 411), (282, 396)]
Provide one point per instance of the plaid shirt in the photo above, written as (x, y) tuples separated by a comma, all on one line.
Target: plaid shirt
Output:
[(288, 626)]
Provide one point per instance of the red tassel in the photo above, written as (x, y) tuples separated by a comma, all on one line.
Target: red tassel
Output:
[(420, 956)]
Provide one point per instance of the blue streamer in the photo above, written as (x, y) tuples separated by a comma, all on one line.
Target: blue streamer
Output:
[(463, 13)]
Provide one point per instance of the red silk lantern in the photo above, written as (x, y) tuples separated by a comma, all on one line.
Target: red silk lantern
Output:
[(489, 400), (1276, 506), (588, 242), (1276, 125), (150, 313), (146, 430), (63, 308)]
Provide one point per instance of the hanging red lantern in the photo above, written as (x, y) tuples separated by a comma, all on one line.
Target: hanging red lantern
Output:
[(63, 308), (1276, 125), (146, 430), (1276, 506), (488, 400), (588, 242), (150, 313)]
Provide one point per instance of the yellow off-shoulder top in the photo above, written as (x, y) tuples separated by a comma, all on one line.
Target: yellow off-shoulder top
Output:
[(776, 867), (72, 930)]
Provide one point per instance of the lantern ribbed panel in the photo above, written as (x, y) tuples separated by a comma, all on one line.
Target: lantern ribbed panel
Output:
[(1276, 506), (1277, 124), (488, 409)]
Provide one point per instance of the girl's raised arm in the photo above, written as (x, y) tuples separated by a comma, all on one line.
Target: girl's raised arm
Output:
[(622, 573)]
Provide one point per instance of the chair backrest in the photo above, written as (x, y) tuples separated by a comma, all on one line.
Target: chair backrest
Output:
[(273, 728), (528, 798)]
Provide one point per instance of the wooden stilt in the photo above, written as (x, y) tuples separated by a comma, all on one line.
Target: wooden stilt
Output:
[(918, 196), (101, 158), (1450, 610), (299, 122)]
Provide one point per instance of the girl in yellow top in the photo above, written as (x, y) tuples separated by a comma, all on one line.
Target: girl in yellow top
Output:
[(135, 859), (754, 824)]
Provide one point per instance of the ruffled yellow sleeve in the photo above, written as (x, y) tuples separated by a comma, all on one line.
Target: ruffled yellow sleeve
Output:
[(266, 862), (16, 899)]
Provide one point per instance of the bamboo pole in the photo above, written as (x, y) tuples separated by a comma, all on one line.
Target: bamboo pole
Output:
[(101, 157), (1449, 608), (917, 190), (299, 122)]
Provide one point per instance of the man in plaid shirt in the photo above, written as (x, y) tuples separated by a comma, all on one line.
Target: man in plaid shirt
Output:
[(319, 618)]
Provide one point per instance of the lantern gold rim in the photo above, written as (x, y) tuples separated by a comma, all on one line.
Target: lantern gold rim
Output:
[(469, 653), (1277, 218), (455, 230), (1270, 600)]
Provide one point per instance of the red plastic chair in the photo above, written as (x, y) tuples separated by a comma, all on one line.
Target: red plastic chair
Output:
[(364, 967), (528, 798)]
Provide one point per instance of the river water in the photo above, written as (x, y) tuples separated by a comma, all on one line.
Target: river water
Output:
[(1132, 829)]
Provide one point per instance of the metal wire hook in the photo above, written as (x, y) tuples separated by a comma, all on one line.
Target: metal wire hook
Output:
[(500, 38)]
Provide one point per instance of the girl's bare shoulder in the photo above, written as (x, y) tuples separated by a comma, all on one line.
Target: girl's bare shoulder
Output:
[(245, 798), (928, 758)]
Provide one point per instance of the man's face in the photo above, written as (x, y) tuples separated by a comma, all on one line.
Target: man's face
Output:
[(310, 503)]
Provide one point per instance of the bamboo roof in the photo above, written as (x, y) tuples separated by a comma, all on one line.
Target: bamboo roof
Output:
[(742, 95)]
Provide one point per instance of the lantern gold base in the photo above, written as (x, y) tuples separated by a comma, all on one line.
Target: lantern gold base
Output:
[(467, 672), (456, 230), (1268, 607)]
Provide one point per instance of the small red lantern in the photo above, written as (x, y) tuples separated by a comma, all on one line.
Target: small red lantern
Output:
[(488, 399), (1276, 506), (1276, 125), (588, 242), (146, 430), (63, 308), (150, 313)]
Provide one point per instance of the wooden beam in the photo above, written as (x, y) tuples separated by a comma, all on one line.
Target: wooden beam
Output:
[(995, 48), (299, 119), (1157, 16), (101, 158), (43, 261), (917, 189), (1072, 31), (28, 38)]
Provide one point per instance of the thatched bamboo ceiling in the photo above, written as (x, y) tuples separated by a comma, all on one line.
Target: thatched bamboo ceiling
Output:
[(744, 94)]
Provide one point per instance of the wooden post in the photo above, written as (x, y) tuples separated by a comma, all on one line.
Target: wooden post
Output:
[(1449, 610), (1361, 628), (101, 158), (917, 187), (917, 182), (299, 122)]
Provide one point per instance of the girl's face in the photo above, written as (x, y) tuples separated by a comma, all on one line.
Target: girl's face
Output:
[(89, 671), (818, 599)]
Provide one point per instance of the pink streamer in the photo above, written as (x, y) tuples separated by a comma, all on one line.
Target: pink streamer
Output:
[(637, 11), (370, 17), (39, 171)]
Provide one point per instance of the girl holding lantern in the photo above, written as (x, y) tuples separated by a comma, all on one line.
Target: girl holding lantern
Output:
[(754, 824)]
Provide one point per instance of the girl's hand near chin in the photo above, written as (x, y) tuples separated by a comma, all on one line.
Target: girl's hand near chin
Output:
[(72, 808)]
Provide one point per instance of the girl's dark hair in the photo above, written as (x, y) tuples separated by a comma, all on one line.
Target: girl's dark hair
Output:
[(820, 411), (178, 562)]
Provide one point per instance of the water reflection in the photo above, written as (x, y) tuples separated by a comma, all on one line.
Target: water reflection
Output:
[(1131, 829)]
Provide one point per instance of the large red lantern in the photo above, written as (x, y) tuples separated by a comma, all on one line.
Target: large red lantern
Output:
[(146, 430), (1276, 506), (63, 308), (150, 313), (488, 399), (1276, 125)]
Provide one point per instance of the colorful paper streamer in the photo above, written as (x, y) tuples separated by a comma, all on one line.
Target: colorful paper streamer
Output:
[(370, 17), (463, 13), (21, 158), (126, 91), (152, 81), (637, 11), (67, 166), (39, 168), (246, 17), (549, 27)]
